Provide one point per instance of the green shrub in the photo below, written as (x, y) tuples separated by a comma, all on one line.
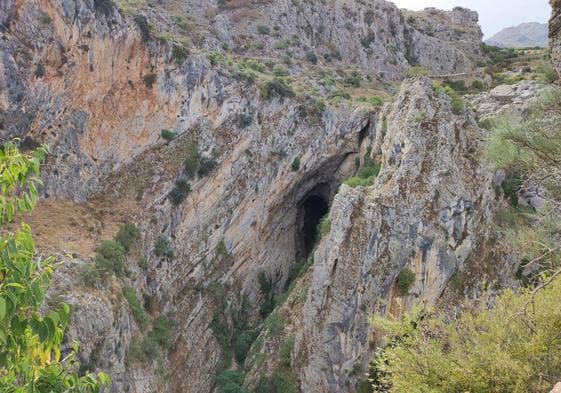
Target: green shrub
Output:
[(40, 71), (284, 44), (90, 275), (275, 323), (369, 17), (45, 19), (127, 235), (487, 123), (355, 181), (311, 57), (511, 346), (142, 263), (459, 86), (216, 58), (279, 70), (162, 248), (255, 66), (263, 30), (221, 251), (458, 103), (161, 332), (168, 135), (179, 54), (340, 94), (369, 171), (149, 80), (143, 26), (151, 347), (353, 81), (285, 352), (502, 78), (405, 281), (546, 72), (498, 55), (192, 159), (367, 40), (511, 186), (376, 101), (364, 386), (243, 120), (295, 166), (230, 381), (324, 227), (179, 192), (243, 343), (365, 176), (136, 308), (276, 87), (110, 258), (417, 71), (477, 85), (220, 329), (206, 166), (135, 352), (279, 382), (105, 7), (420, 117)]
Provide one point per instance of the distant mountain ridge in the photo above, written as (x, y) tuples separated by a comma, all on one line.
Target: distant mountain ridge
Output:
[(523, 35)]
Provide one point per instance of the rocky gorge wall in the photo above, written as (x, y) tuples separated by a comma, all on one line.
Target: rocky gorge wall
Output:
[(88, 80), (555, 34)]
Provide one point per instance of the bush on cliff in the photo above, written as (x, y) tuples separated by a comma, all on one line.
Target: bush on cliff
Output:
[(127, 235), (511, 347), (110, 258)]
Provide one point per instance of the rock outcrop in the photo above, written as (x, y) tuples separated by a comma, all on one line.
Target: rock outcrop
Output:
[(459, 27), (429, 210), (555, 35), (506, 99)]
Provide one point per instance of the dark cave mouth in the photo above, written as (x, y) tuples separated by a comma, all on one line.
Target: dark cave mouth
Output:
[(313, 208)]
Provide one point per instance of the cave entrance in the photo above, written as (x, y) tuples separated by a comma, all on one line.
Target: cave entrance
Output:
[(313, 208)]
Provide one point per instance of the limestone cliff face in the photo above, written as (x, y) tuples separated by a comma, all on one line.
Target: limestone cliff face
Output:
[(555, 34), (99, 84), (429, 210), (458, 27)]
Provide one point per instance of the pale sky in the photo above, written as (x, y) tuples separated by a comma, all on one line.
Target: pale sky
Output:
[(494, 15)]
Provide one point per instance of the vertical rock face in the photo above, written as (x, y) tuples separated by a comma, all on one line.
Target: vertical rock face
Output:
[(458, 27), (555, 34), (84, 78), (98, 86), (429, 210)]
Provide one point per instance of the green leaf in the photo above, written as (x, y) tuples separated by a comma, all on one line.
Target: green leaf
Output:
[(103, 378), (51, 325), (2, 308), (43, 331), (54, 316), (38, 293), (14, 285)]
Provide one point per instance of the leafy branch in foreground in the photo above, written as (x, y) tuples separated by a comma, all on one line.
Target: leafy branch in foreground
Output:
[(30, 338)]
